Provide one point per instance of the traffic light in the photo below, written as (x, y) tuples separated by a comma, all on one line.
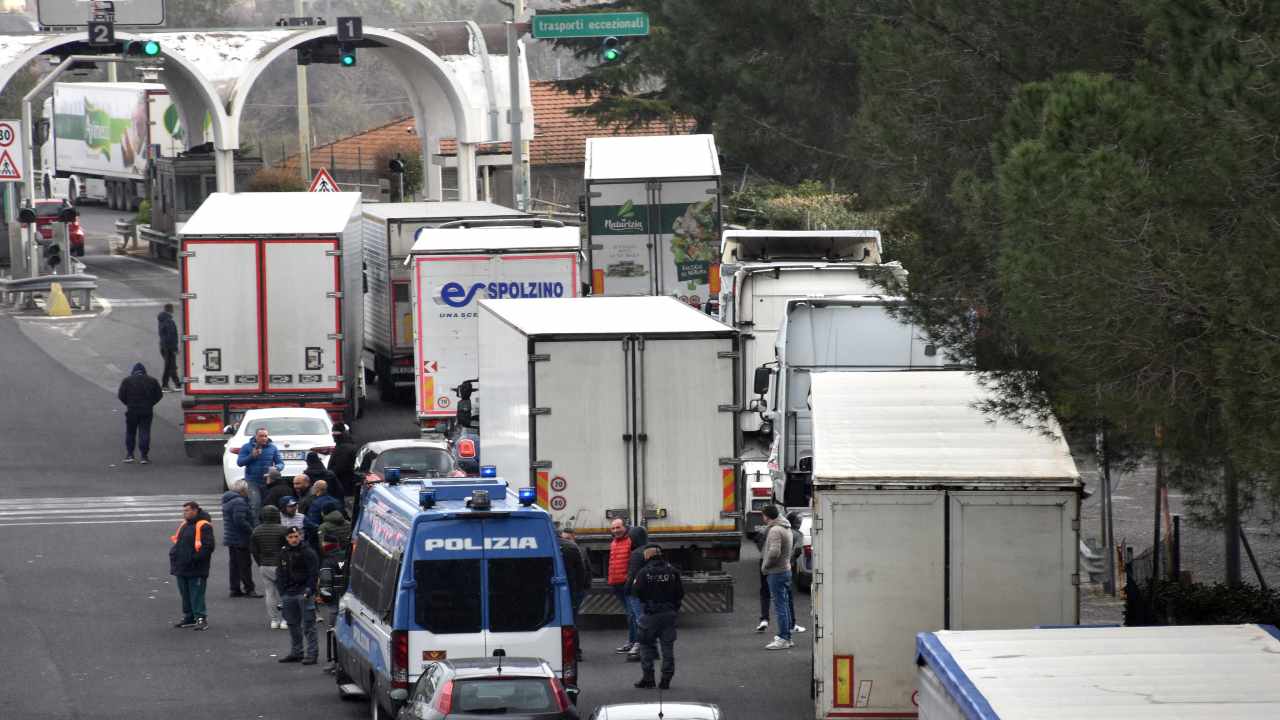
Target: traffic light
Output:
[(346, 55), (53, 255), (611, 50), (141, 48)]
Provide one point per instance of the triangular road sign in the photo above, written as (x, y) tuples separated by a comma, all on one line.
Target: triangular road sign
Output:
[(323, 182), (9, 169)]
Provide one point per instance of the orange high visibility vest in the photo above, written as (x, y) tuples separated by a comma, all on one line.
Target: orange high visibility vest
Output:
[(174, 537)]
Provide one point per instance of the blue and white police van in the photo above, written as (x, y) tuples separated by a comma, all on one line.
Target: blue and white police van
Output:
[(444, 569)]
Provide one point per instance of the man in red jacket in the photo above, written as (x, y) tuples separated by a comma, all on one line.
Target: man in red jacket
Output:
[(619, 556)]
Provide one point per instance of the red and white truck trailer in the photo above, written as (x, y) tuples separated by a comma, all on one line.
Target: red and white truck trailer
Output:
[(271, 309)]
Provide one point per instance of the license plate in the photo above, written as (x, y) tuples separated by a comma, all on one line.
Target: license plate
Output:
[(294, 454)]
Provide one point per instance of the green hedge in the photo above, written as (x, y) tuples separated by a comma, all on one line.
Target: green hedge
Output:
[(1199, 604)]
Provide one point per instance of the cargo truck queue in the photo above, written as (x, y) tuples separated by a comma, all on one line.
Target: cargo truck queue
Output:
[(651, 368)]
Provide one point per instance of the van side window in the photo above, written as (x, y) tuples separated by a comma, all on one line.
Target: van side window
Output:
[(521, 597), (448, 595), (374, 575)]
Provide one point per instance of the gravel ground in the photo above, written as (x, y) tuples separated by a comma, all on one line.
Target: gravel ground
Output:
[(1203, 548)]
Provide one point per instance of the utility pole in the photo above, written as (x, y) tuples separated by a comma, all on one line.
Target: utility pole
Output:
[(304, 110), (519, 146)]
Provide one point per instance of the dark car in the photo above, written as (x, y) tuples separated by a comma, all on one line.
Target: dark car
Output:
[(517, 688), (416, 458), (47, 212)]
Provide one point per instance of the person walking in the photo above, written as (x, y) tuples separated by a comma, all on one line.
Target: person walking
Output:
[(169, 349), (296, 580), (775, 562), (264, 547), (190, 553), (639, 538), (139, 393), (616, 575), (237, 527), (659, 592), (289, 515), (257, 457)]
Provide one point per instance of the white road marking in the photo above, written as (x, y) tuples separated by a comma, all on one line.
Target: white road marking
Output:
[(26, 512), (106, 306)]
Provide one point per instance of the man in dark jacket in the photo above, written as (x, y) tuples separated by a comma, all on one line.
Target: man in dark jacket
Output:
[(139, 393), (639, 536), (189, 557), (659, 591), (575, 570), (237, 527), (278, 488), (317, 471), (343, 465), (322, 503), (257, 457), (264, 547), (296, 580), (169, 348)]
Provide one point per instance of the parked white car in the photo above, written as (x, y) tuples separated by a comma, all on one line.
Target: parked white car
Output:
[(295, 432)]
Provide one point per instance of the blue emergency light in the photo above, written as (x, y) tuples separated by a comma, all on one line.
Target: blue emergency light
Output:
[(528, 496), (489, 471), (391, 475), (426, 499)]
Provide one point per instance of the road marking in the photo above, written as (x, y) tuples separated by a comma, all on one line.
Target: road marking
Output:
[(26, 512), (105, 304)]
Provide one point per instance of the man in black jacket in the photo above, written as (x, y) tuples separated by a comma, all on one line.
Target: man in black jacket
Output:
[(139, 393), (660, 592), (342, 463), (169, 348), (189, 556), (639, 537), (296, 579)]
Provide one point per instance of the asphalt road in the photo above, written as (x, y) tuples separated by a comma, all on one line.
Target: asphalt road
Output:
[(88, 602)]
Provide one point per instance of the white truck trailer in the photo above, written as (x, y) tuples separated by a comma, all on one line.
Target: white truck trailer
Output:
[(271, 309), (928, 514), (388, 233), (1189, 672), (620, 408), (452, 270), (98, 137), (653, 216)]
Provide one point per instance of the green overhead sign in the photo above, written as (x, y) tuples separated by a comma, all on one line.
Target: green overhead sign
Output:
[(589, 25)]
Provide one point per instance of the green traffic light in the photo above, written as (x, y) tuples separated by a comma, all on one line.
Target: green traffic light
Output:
[(348, 60), (151, 48), (611, 55)]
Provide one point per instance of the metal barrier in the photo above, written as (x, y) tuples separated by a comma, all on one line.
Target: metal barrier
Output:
[(23, 290)]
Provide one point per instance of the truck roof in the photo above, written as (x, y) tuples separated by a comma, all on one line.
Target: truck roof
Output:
[(443, 210), (1186, 671), (925, 425), (605, 316), (440, 241), (652, 156), (763, 245), (274, 213)]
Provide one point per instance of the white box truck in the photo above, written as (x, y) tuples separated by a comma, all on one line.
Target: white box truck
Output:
[(452, 270), (653, 216), (1189, 672), (389, 232), (620, 408), (271, 309), (928, 514), (98, 137)]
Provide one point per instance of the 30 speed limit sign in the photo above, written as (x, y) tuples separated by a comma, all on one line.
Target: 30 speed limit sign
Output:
[(8, 133), (10, 152)]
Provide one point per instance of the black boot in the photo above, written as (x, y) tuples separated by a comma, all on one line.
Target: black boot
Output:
[(645, 682), (665, 683)]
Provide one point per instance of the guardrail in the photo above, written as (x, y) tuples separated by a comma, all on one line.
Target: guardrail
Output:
[(162, 244), (23, 290)]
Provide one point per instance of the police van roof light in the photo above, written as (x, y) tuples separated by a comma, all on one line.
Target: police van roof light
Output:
[(488, 471), (426, 499), (528, 496), (479, 500), (391, 475)]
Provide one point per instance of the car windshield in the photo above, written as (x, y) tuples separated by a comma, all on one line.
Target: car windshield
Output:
[(48, 210), (416, 461), (288, 426), (517, 696)]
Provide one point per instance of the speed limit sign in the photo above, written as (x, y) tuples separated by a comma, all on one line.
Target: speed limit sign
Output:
[(10, 152), (8, 132)]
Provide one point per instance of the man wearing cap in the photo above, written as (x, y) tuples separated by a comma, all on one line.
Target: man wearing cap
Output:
[(289, 515), (296, 580), (660, 591)]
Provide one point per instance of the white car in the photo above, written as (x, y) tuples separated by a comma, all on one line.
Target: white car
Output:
[(295, 432)]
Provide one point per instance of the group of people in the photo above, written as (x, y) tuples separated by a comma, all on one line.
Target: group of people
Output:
[(650, 592)]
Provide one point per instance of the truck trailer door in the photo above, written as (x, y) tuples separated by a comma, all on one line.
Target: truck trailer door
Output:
[(220, 319), (302, 312)]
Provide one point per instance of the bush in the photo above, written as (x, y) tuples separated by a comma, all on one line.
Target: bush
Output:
[(272, 179), (144, 213), (1199, 604)]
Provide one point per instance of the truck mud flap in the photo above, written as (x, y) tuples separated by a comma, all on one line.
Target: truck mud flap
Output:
[(703, 593)]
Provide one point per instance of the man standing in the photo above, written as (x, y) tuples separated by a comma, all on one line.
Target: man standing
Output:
[(139, 392), (264, 546), (278, 488), (575, 570), (321, 504), (619, 557), (289, 515), (256, 457), (797, 546), (236, 530), (776, 564), (189, 556), (296, 579), (639, 538), (659, 591), (343, 465), (169, 348)]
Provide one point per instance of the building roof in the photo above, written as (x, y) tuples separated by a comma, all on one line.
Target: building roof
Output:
[(559, 137)]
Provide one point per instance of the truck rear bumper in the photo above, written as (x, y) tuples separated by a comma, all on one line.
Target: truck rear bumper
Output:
[(703, 593)]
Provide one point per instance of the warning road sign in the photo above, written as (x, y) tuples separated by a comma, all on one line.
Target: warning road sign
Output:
[(10, 170), (323, 182)]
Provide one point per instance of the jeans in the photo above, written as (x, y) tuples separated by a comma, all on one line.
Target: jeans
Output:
[(766, 593), (654, 629), (300, 613), (170, 369), (780, 590), (192, 590), (619, 592), (270, 592), (240, 566), (137, 424), (255, 502)]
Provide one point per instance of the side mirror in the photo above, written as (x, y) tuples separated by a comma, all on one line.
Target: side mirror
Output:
[(760, 383), (399, 695), (573, 694), (806, 464), (228, 430), (464, 413)]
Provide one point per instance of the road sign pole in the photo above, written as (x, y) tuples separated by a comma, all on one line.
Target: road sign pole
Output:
[(518, 197), (16, 256)]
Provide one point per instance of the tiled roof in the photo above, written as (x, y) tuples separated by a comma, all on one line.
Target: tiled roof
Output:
[(559, 137)]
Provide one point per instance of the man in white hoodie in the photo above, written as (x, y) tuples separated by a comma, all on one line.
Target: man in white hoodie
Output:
[(775, 563)]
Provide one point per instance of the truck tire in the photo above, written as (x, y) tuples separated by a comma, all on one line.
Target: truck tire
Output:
[(72, 195)]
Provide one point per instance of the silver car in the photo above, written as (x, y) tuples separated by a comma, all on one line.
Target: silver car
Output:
[(652, 711)]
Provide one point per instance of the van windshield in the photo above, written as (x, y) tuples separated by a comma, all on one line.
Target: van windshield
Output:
[(448, 596), (520, 593)]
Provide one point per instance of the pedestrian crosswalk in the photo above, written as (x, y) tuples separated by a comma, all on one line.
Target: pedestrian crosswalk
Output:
[(120, 509)]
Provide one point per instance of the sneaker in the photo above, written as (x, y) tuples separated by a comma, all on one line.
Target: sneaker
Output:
[(779, 644), (127, 458), (144, 460), (201, 624), (664, 683), (290, 659), (275, 624), (624, 649), (253, 594), (645, 683), (185, 623), (797, 629), (633, 656), (762, 626), (309, 661)]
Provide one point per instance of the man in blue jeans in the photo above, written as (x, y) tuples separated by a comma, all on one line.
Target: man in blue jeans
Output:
[(257, 457), (296, 579), (775, 563)]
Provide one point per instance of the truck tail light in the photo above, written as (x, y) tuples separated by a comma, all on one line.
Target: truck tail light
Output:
[(403, 361), (444, 698), (569, 654), (562, 698), (399, 660), (761, 492)]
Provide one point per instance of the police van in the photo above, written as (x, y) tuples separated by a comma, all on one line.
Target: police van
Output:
[(444, 569)]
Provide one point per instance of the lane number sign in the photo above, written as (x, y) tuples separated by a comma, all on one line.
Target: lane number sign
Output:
[(101, 33), (350, 29)]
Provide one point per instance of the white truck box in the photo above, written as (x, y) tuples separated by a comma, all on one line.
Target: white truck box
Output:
[(928, 514), (620, 407), (452, 270), (271, 308), (1189, 672), (388, 233), (653, 216)]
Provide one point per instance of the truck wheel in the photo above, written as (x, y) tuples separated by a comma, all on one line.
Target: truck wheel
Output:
[(72, 195)]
